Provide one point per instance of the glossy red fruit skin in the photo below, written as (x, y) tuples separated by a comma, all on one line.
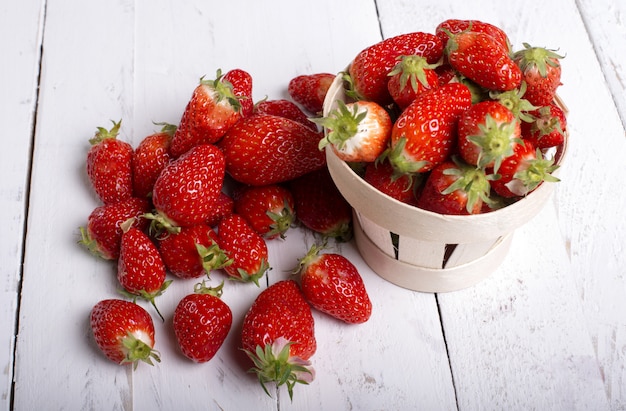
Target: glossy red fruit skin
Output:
[(333, 285), (455, 26), (369, 69), (242, 88), (223, 207), (267, 149), (140, 266), (381, 176), (150, 158), (280, 311), (320, 206), (109, 168), (429, 126), (103, 233), (188, 187), (201, 324), (179, 251), (284, 108), (269, 209), (310, 90), (112, 319), (548, 129)]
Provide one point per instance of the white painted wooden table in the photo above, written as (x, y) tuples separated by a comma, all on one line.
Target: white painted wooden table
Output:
[(546, 331)]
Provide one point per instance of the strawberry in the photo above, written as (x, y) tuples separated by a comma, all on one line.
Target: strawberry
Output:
[(356, 131), (411, 76), (124, 332), (454, 187), (192, 252), (102, 235), (241, 81), (548, 127), (310, 90), (454, 26), (266, 149), (224, 206), (482, 59), (368, 73), (320, 206), (278, 335), (284, 108), (380, 174), (140, 268), (109, 165), (202, 322), (150, 158), (212, 109), (541, 71), (268, 209), (188, 187), (245, 247), (523, 171), (333, 285), (425, 133), (487, 134)]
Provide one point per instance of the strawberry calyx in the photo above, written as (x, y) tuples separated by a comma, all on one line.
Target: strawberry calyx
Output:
[(349, 87), (342, 124), (202, 288), (136, 350), (539, 58), (400, 163), (514, 101), (282, 221), (412, 69), (273, 363), (103, 134), (161, 225), (223, 90), (92, 245), (470, 180), (167, 128), (545, 123), (213, 257), (246, 277), (494, 141), (149, 296), (312, 254), (532, 173)]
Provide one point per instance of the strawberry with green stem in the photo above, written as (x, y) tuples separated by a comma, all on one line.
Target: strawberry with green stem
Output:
[(547, 127), (309, 90), (150, 158), (541, 71), (411, 76), (357, 132), (278, 335), (269, 209), (124, 332)]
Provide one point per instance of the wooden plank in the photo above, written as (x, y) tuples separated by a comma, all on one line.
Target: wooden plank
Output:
[(555, 25), (21, 32)]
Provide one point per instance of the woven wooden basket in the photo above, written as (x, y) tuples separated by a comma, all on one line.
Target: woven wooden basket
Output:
[(421, 250)]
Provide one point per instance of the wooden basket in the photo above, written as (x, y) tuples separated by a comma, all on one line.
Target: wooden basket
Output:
[(421, 250)]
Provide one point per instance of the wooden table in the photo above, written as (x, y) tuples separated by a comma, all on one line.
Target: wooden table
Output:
[(546, 331)]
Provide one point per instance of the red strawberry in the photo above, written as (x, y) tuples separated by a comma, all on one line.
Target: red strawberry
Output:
[(245, 247), (103, 233), (310, 90), (320, 206), (192, 252), (150, 158), (124, 332), (109, 165), (425, 133), (454, 188), (548, 127), (381, 175), (268, 209), (187, 188), (279, 336), (522, 172), (266, 149), (368, 73), (411, 76), (202, 322), (333, 285), (284, 108), (241, 81), (455, 26), (357, 132), (223, 207), (482, 59), (211, 111), (140, 268), (541, 71), (487, 134)]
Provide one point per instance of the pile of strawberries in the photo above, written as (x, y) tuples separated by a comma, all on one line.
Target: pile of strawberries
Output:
[(206, 196), (453, 122)]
